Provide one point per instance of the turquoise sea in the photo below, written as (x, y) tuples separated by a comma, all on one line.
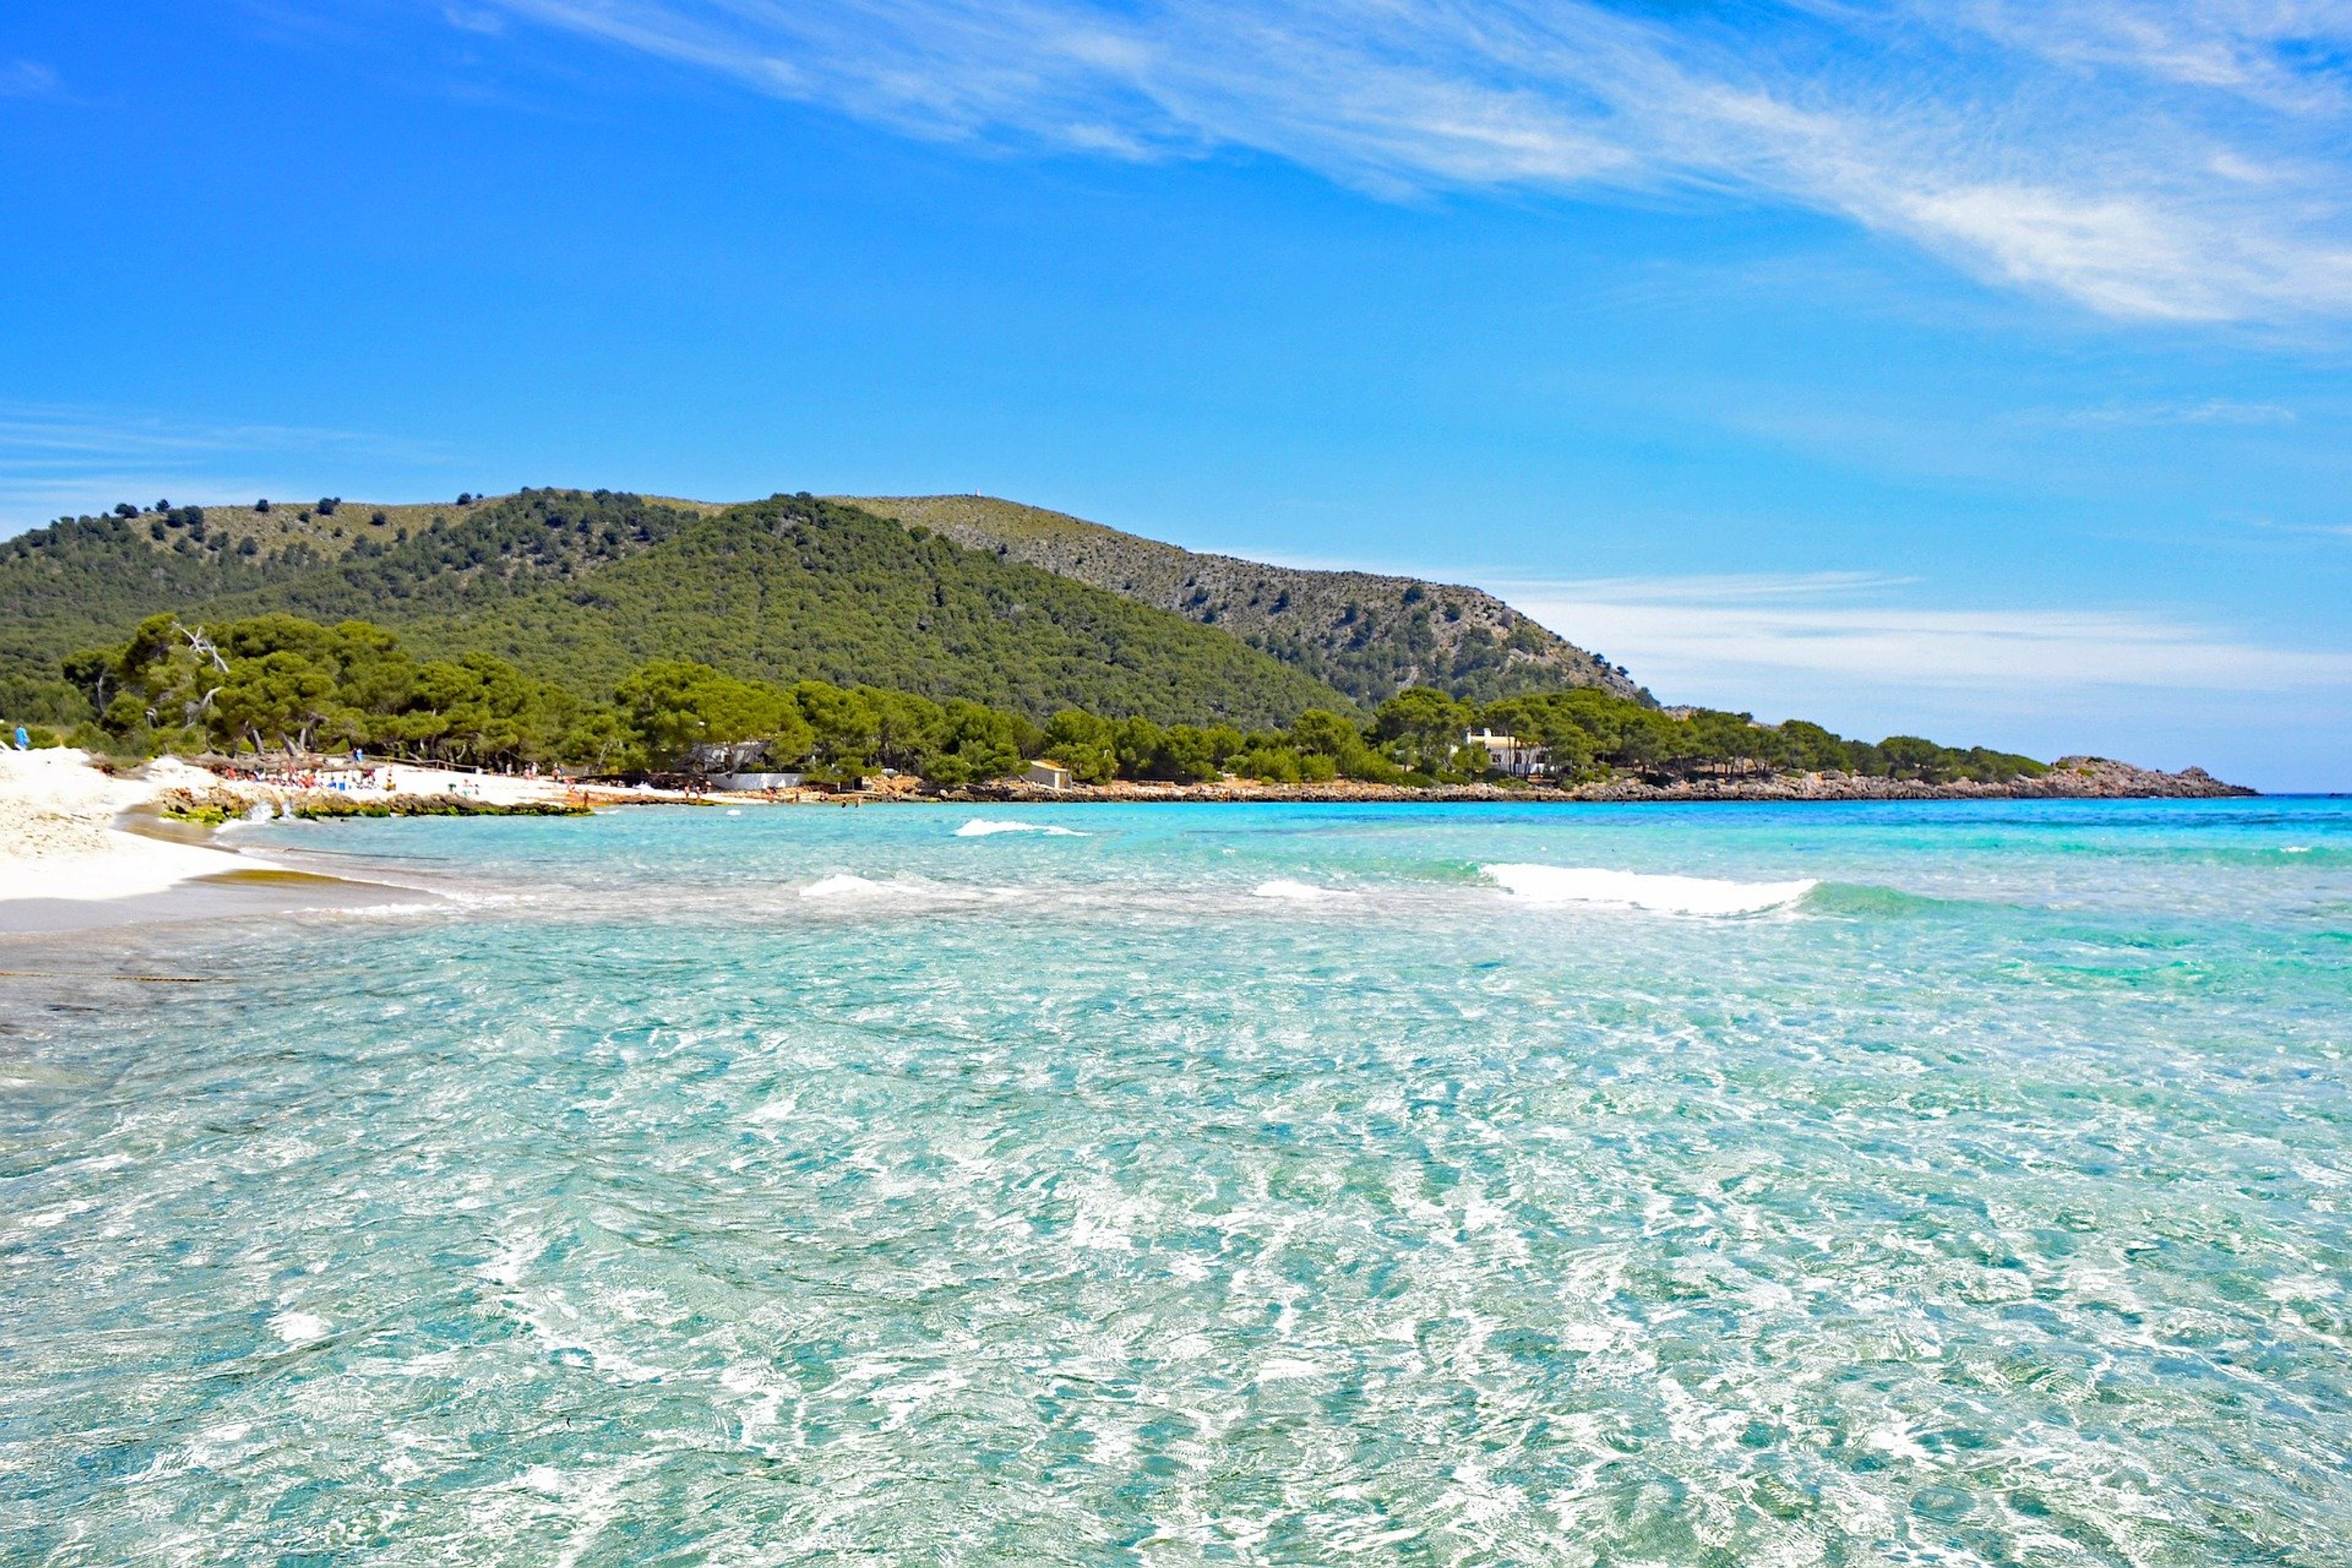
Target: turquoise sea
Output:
[(1925, 1183)]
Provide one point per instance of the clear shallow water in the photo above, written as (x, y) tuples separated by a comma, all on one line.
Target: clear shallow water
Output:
[(1206, 1184)]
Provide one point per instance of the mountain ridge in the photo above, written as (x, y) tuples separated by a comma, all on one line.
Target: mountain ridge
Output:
[(1369, 634)]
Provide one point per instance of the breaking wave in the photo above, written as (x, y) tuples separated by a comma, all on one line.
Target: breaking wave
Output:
[(1556, 885), (982, 827), (842, 885), (916, 892), (1296, 892)]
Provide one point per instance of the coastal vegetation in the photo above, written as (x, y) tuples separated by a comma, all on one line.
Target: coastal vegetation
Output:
[(581, 589), (280, 683)]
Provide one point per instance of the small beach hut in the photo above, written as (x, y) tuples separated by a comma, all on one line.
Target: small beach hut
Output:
[(1047, 775)]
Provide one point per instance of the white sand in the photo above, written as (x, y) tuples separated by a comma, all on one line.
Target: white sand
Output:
[(493, 789), (57, 837)]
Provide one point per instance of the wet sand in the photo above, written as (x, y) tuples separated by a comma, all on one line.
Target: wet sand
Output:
[(234, 895)]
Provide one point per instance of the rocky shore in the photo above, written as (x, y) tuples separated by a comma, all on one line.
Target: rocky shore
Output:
[(230, 800), (2070, 778)]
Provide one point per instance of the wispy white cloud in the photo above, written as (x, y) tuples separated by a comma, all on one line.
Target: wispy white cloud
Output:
[(1722, 636), (2141, 157), (27, 78), (2271, 52), (1722, 589), (56, 460), (2203, 411), (1871, 658), (473, 19), (2304, 529)]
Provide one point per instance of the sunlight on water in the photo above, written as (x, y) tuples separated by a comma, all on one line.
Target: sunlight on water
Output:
[(1964, 1184)]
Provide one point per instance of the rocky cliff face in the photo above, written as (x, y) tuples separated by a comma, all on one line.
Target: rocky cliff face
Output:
[(1369, 634)]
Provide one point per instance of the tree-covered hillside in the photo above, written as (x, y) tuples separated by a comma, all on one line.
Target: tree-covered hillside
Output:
[(277, 682), (582, 588), (796, 588), (83, 580), (1368, 634), (505, 573), (472, 563)]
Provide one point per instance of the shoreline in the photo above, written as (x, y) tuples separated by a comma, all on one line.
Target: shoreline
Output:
[(252, 890), (2070, 778), (82, 848), (70, 832)]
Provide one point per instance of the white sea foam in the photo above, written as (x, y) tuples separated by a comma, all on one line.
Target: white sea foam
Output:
[(2296, 849), (982, 827), (915, 890), (1296, 892), (515, 1255), (842, 885), (1554, 885), (425, 903), (300, 1328)]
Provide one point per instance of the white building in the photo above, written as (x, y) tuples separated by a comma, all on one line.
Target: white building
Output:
[(1046, 775), (1520, 759)]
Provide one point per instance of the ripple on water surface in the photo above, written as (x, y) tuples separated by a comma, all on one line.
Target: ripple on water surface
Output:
[(1263, 1186)]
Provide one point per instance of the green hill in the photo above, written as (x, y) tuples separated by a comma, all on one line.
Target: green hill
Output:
[(82, 579), (582, 588), (1368, 635)]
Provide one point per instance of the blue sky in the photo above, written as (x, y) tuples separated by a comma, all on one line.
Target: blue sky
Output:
[(1975, 369)]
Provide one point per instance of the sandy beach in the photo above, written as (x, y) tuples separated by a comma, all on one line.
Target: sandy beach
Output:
[(60, 837), (83, 847)]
